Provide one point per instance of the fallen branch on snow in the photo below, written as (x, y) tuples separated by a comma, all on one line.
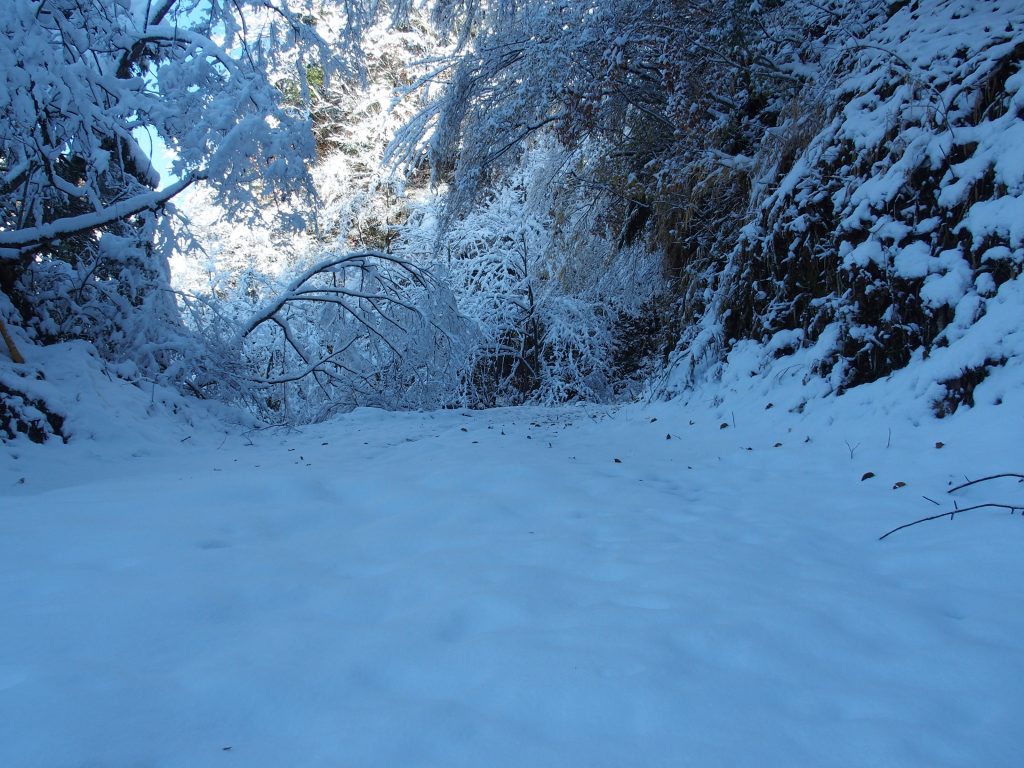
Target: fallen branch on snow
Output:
[(953, 513), (985, 479), (1012, 507)]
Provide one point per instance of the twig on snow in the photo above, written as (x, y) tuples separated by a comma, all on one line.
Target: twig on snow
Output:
[(986, 479), (952, 513)]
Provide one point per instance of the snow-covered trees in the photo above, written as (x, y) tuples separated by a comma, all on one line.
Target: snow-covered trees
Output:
[(673, 96), (609, 180), (640, 158), (336, 315), (821, 173), (672, 120), (241, 95), (85, 86)]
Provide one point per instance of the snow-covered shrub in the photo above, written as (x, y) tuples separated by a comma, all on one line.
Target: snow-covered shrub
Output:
[(23, 414), (352, 329), (536, 340)]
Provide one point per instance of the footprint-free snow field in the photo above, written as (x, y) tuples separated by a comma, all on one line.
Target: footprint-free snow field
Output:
[(522, 587)]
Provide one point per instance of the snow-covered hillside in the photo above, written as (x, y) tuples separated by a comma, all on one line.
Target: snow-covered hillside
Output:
[(675, 584), (896, 228)]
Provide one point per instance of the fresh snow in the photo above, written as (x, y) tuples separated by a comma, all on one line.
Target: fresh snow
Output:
[(522, 587)]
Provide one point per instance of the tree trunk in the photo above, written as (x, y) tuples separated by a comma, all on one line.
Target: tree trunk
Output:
[(11, 347)]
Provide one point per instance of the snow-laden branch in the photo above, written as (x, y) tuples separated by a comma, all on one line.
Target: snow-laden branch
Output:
[(16, 243), (362, 261), (164, 34), (355, 328)]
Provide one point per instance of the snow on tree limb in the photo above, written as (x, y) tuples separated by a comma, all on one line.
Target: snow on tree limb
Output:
[(361, 261), (15, 244)]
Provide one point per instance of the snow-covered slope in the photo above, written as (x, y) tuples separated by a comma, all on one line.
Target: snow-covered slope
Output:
[(677, 584), (898, 228)]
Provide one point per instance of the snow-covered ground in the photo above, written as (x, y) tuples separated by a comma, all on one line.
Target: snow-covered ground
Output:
[(521, 587)]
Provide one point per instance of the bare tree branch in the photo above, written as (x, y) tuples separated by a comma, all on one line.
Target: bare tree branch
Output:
[(953, 513), (986, 479)]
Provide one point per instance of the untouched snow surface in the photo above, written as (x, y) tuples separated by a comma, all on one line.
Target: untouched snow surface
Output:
[(495, 589)]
